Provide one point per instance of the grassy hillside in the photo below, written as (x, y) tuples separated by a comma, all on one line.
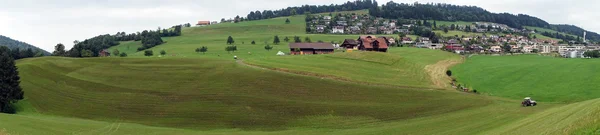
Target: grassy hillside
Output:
[(449, 23), (343, 93), (540, 30), (205, 93), (544, 78), (128, 47), (400, 66)]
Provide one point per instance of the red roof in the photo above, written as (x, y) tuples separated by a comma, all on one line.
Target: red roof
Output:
[(368, 42)]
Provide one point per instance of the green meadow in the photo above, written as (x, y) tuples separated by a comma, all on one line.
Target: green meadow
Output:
[(548, 79), (403, 91)]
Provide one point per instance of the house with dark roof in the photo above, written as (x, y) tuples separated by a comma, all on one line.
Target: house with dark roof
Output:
[(203, 23), (310, 48), (372, 43), (350, 44)]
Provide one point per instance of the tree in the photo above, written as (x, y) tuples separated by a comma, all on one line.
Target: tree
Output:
[(434, 24), (307, 39), (59, 50), (507, 48), (230, 49), (453, 27), (286, 39), (445, 30), (86, 53), (276, 40), (123, 54), (148, 53), (297, 39), (534, 37), (230, 40), (10, 91), (116, 52), (203, 49), (293, 12), (448, 72), (287, 21), (268, 47), (253, 42)]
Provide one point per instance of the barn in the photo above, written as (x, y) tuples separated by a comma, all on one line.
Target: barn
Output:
[(310, 48)]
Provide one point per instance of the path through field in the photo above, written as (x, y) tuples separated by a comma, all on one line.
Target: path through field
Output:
[(437, 72)]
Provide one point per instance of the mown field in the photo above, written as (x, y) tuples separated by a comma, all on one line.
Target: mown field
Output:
[(400, 66), (546, 79), (398, 92)]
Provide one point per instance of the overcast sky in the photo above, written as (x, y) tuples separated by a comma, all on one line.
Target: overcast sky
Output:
[(44, 23)]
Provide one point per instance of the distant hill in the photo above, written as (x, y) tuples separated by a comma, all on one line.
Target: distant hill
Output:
[(12, 44)]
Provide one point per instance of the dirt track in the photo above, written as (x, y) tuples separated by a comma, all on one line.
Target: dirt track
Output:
[(437, 72)]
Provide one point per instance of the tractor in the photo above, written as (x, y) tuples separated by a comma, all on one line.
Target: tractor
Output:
[(528, 102)]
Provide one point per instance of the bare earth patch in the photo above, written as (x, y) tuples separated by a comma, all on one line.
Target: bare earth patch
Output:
[(437, 72)]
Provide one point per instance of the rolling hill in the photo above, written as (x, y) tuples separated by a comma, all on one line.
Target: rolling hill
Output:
[(12, 44), (403, 91)]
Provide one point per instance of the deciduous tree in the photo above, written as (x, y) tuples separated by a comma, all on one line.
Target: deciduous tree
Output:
[(148, 53)]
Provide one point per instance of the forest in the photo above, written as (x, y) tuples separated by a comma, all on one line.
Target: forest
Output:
[(18, 45), (92, 47)]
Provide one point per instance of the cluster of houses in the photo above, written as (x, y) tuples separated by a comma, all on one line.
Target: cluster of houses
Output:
[(495, 44), (363, 43), (354, 24)]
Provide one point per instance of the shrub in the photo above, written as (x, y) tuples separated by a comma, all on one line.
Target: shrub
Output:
[(163, 52), (449, 73), (123, 54), (148, 53)]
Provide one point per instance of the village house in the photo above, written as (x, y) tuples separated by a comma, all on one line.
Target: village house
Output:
[(327, 18), (338, 29), (456, 48), (405, 31), (371, 30), (476, 49), (354, 30), (203, 23), (544, 48), (564, 49), (424, 40), (372, 43), (495, 48), (343, 23), (320, 28), (350, 44), (310, 48), (407, 40)]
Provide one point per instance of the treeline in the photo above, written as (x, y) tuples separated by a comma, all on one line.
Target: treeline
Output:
[(18, 53), (93, 46), (449, 12), (561, 36), (289, 11), (15, 44), (574, 30)]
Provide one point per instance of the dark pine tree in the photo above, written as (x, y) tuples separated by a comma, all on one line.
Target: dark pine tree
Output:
[(10, 91), (276, 40)]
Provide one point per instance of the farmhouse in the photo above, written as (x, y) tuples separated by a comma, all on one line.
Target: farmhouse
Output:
[(203, 23), (407, 40), (310, 48), (104, 53), (350, 44), (372, 43)]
